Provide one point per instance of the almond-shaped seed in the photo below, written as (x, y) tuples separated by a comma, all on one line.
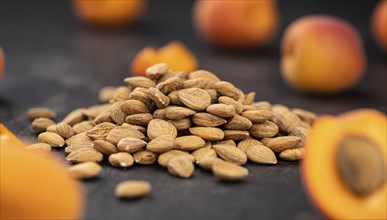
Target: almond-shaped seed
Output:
[(177, 112), (207, 120), (174, 98), (161, 144), (158, 127), (139, 81), (81, 138), (221, 110), (203, 152), (236, 135), (51, 128), (226, 89), (85, 170), (300, 132), (229, 101), (75, 147), (131, 107), (160, 114), (257, 116), (262, 105), (142, 96), (64, 130), (279, 144), (39, 147), (106, 93), (264, 130), (169, 85), (104, 116), (121, 159), (121, 93), (158, 97), (294, 154), (228, 142), (180, 166), (116, 113), (40, 112), (249, 98), (75, 116), (243, 145), (137, 127), (104, 147), (139, 119), (207, 163), (100, 131), (238, 123), (229, 171), (249, 108), (207, 133), (190, 142), (211, 78), (52, 139), (285, 119), (241, 97), (118, 133), (231, 154), (131, 145), (83, 126), (93, 111), (164, 158), (145, 157), (41, 124), (182, 124), (260, 154), (213, 94), (156, 71), (195, 83), (305, 115), (84, 155), (195, 98), (132, 189)]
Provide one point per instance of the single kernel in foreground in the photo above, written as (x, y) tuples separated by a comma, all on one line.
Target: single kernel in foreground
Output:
[(132, 189)]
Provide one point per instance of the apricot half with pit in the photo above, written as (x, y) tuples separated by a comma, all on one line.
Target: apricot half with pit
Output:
[(344, 168)]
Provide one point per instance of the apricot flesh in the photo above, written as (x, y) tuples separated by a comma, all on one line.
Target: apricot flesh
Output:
[(320, 173), (379, 24)]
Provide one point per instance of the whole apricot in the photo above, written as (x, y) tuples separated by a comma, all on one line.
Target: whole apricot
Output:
[(175, 54), (34, 185), (322, 54), (379, 24), (241, 24), (109, 13)]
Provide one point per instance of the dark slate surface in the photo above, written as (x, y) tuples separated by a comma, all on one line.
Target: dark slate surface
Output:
[(54, 61)]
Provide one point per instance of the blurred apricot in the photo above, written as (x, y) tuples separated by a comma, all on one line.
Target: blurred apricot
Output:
[(2, 62), (175, 54), (109, 13), (379, 24), (34, 185), (237, 24)]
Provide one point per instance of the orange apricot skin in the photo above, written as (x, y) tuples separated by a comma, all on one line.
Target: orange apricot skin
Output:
[(236, 24), (109, 13), (33, 185), (320, 177), (175, 54), (379, 24), (322, 54)]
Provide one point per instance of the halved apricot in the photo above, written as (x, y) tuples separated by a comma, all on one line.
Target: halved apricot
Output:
[(344, 169)]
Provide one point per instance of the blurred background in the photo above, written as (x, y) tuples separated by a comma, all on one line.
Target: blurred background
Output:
[(55, 59)]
